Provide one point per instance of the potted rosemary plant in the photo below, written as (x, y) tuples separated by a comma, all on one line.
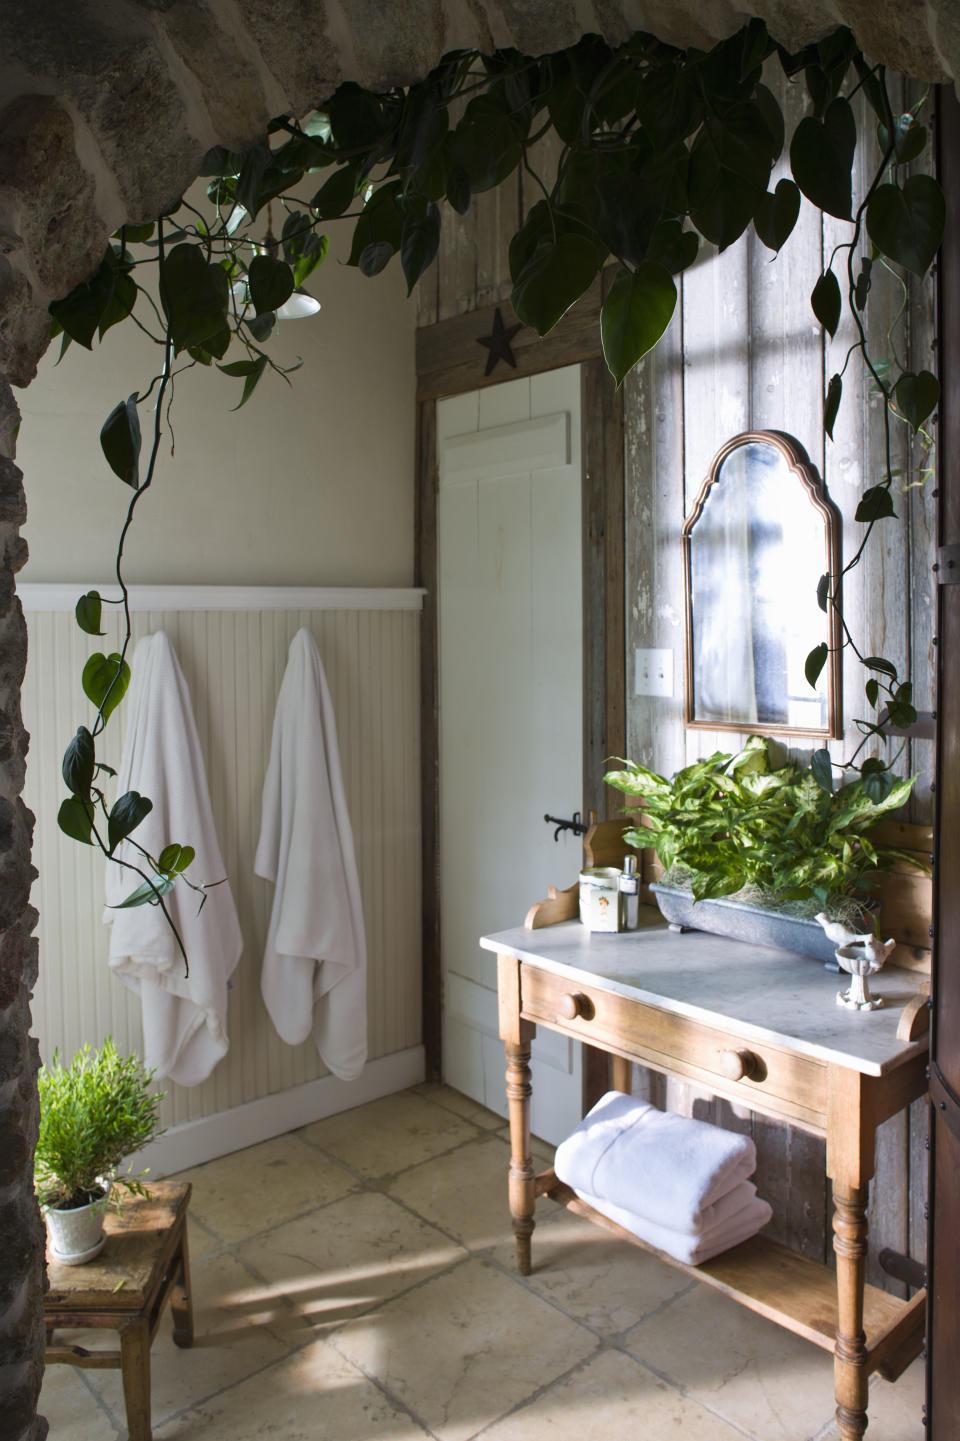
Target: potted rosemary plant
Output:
[(743, 840), (93, 1114)]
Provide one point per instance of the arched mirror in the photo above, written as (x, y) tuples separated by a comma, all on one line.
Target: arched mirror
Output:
[(755, 545)]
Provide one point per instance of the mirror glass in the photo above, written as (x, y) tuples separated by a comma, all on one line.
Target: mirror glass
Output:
[(755, 546)]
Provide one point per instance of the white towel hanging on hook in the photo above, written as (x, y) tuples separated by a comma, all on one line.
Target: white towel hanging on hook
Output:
[(184, 1017), (314, 977)]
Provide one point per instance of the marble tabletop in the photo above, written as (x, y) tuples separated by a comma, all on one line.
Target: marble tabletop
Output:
[(762, 993)]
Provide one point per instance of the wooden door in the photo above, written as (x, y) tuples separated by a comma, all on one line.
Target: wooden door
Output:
[(510, 706), (943, 1338)]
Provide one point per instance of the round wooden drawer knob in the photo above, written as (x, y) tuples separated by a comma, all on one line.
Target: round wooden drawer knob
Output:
[(571, 1005), (741, 1065)]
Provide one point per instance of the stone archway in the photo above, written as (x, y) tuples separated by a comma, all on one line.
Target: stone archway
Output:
[(106, 112)]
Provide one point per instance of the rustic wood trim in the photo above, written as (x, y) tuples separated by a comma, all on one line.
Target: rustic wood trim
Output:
[(943, 1255), (425, 569), (604, 620), (451, 362)]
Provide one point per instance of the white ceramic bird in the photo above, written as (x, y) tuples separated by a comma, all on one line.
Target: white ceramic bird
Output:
[(839, 932)]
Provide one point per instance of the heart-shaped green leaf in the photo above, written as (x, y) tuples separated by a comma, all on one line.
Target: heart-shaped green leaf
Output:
[(864, 279), (776, 215), (126, 814), (821, 158), (105, 680), (147, 894), (194, 295), (880, 663), (673, 247), (419, 244), (875, 504), (831, 403), (906, 222), (78, 762), (176, 858), (627, 214), (826, 301), (79, 313), (88, 611), (815, 662), (822, 770), (376, 257), (120, 441), (458, 189), (75, 819), (553, 279), (917, 396), (271, 283), (336, 194), (823, 590), (636, 312)]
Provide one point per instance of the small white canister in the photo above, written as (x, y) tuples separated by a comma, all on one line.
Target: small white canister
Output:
[(600, 905)]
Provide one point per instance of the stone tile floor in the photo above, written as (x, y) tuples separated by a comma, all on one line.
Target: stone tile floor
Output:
[(355, 1281)]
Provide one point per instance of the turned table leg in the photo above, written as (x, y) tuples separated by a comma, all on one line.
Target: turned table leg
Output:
[(850, 1351), (522, 1200)]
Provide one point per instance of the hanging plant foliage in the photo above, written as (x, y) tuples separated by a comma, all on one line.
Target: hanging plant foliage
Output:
[(661, 149)]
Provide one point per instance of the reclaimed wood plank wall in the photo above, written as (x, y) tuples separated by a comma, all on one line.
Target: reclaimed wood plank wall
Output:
[(744, 352)]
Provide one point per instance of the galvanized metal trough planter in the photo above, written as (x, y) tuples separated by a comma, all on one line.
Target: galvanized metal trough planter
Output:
[(743, 922)]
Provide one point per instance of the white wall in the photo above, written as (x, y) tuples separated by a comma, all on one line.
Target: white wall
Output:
[(308, 484)]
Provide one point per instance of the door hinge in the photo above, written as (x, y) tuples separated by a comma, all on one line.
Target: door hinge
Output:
[(947, 565), (944, 1099)]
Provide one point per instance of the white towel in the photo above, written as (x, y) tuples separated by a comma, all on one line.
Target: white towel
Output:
[(668, 1168), (314, 974), (693, 1250), (184, 1017)]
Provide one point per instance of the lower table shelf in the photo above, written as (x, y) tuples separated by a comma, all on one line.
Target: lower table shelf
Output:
[(786, 1287)]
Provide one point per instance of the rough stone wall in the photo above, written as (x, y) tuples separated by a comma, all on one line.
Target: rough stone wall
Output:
[(111, 103), (22, 1234), (106, 107)]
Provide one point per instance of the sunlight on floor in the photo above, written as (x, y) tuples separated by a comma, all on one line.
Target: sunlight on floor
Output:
[(355, 1281)]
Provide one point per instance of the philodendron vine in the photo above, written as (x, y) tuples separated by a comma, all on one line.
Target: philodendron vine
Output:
[(660, 148)]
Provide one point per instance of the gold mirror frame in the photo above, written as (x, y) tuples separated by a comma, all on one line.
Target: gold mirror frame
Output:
[(799, 465)]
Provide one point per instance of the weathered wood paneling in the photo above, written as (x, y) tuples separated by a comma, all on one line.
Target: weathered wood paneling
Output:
[(745, 352)]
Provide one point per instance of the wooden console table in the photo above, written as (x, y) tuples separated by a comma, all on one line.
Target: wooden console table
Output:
[(143, 1264), (762, 1028)]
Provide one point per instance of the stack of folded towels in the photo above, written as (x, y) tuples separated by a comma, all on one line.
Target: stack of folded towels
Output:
[(680, 1185)]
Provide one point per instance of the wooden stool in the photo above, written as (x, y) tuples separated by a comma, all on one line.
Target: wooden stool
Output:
[(125, 1289)]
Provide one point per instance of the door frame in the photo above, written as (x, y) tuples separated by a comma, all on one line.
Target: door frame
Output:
[(943, 1265), (452, 361)]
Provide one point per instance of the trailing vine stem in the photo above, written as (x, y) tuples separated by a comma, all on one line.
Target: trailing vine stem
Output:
[(661, 148)]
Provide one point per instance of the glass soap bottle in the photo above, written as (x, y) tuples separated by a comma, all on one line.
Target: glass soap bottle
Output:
[(629, 888)]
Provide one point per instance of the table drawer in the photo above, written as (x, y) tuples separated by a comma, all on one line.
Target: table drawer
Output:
[(735, 1066)]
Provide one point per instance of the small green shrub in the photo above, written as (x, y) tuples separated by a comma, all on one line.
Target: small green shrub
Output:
[(735, 823), (93, 1113)]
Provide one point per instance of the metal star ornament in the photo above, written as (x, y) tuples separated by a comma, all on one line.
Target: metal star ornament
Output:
[(498, 343)]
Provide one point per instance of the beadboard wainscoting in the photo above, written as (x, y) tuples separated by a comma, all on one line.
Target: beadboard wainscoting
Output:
[(232, 644)]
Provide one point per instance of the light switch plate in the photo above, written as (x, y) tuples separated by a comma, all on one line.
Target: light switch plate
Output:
[(653, 672)]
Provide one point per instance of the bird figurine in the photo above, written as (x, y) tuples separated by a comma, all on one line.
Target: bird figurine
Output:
[(838, 931), (860, 959)]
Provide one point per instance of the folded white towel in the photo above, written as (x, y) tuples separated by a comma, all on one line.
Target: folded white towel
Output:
[(184, 1017), (314, 974), (668, 1168), (693, 1250)]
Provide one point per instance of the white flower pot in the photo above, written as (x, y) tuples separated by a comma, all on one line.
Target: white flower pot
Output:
[(77, 1235)]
